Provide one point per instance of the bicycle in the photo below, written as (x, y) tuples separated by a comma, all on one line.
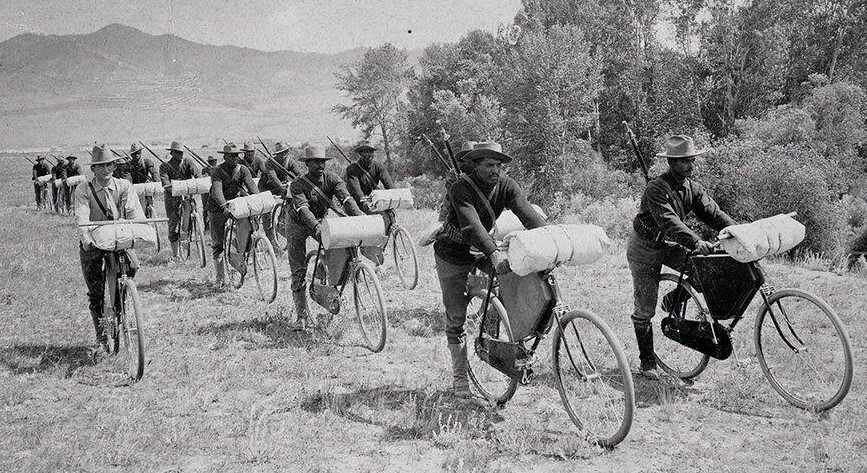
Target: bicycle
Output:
[(149, 213), (366, 291), (195, 231), (790, 325), (590, 368), (262, 257), (280, 227), (122, 320), (402, 249)]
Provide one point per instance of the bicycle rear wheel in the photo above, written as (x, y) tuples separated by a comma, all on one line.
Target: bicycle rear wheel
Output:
[(265, 268), (492, 384), (231, 251), (405, 259), (803, 350), (279, 225), (674, 358), (132, 330), (197, 239), (369, 306), (593, 377)]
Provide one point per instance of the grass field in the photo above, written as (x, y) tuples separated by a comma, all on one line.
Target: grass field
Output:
[(228, 387)]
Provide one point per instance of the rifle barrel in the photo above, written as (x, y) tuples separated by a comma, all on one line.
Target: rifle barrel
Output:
[(276, 163), (264, 146), (340, 150), (196, 157), (439, 155), (152, 152), (634, 143)]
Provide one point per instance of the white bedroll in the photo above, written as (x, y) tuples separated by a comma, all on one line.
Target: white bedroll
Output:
[(345, 232), (508, 222), (769, 236), (256, 204), (194, 186), (114, 235), (75, 180), (148, 189), (44, 178), (547, 247), (58, 183), (384, 199)]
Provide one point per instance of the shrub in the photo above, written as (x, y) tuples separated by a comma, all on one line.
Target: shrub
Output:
[(427, 191)]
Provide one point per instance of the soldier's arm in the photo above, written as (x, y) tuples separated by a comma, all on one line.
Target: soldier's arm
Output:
[(519, 204), (271, 175), (195, 169), (165, 180), (346, 200), (707, 210), (217, 188), (249, 183), (353, 185), (462, 197), (385, 177), (82, 211), (151, 169), (131, 202), (663, 213), (302, 205)]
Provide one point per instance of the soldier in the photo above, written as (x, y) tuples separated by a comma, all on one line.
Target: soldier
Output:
[(39, 169), (476, 200), (72, 169), (364, 175), (255, 163), (227, 182), (138, 170), (311, 196), (58, 171), (102, 198), (660, 237), (177, 168), (274, 179)]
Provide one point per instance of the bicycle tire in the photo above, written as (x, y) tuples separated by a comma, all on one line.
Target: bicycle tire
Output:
[(197, 238), (265, 254), (133, 331), (786, 328), (278, 221), (678, 360), (405, 259), (609, 385), (149, 213), (230, 245), (493, 385), (373, 323)]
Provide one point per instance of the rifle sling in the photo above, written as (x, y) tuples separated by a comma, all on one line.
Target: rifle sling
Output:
[(324, 196)]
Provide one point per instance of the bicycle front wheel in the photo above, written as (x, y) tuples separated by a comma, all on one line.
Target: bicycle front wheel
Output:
[(232, 253), (132, 330), (405, 259), (593, 377), (369, 306), (197, 239), (803, 350), (674, 358), (280, 227), (492, 384), (265, 268)]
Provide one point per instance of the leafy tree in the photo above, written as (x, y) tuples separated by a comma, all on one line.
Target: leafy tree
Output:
[(375, 87)]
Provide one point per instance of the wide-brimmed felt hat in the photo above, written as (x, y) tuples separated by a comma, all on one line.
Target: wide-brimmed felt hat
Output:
[(230, 148), (135, 148), (465, 148), (39, 158), (487, 149), (175, 146), (280, 148), (248, 147), (71, 157), (212, 159), (102, 155), (680, 146), (364, 146), (314, 152)]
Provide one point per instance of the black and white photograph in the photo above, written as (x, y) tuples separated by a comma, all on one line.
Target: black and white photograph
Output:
[(464, 236)]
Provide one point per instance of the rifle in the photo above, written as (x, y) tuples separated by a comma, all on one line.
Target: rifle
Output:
[(455, 165), (264, 146), (276, 163), (88, 152), (116, 153), (31, 161), (637, 152), (197, 158), (152, 152), (440, 156), (340, 150)]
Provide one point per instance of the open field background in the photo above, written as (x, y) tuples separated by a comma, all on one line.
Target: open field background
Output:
[(228, 387)]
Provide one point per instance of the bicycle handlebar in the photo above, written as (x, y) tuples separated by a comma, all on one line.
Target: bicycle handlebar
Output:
[(118, 222)]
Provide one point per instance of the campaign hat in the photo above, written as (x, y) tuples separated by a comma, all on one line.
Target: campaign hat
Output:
[(175, 146), (248, 147), (487, 149), (280, 148), (135, 148), (364, 146), (102, 155), (465, 148), (230, 148), (680, 146), (314, 152)]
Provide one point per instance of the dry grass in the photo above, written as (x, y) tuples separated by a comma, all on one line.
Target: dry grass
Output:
[(229, 387)]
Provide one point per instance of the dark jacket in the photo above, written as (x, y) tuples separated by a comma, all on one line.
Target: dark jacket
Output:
[(362, 181), (226, 184), (310, 207)]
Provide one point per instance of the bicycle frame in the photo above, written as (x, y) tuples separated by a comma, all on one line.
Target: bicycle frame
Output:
[(348, 267)]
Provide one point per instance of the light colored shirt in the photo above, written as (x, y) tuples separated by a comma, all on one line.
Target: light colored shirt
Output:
[(118, 197)]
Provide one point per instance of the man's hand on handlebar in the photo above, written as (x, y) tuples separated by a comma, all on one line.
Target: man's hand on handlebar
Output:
[(704, 247), (500, 262)]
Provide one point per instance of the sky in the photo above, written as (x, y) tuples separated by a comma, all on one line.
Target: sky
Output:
[(326, 26)]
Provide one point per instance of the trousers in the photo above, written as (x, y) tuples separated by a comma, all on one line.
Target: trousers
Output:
[(93, 270), (453, 285), (646, 259), (297, 254), (178, 213)]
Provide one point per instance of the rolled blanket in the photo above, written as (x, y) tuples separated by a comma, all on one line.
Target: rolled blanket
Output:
[(508, 222), (769, 236), (58, 183), (200, 185), (256, 204), (44, 178), (122, 236), (75, 180), (383, 199), (148, 189), (345, 232), (547, 247)]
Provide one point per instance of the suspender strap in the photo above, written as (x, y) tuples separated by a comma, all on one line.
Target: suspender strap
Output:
[(324, 196), (485, 200)]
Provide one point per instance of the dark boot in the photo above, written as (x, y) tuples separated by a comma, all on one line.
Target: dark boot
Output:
[(301, 310), (460, 382), (644, 337)]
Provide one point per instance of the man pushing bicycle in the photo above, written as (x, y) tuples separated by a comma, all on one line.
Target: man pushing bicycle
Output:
[(177, 168), (660, 237), (476, 200)]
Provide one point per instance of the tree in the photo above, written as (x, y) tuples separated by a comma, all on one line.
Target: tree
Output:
[(375, 86)]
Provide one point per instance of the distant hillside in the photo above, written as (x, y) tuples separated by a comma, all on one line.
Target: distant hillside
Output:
[(119, 84)]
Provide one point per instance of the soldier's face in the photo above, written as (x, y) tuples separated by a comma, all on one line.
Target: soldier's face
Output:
[(488, 170), (248, 155), (315, 166), (176, 154), (682, 167), (231, 160), (366, 157), (136, 156), (102, 171)]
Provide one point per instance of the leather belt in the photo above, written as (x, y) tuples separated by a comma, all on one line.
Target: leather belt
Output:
[(646, 232)]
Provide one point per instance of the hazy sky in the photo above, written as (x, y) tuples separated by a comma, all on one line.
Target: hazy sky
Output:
[(300, 25)]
